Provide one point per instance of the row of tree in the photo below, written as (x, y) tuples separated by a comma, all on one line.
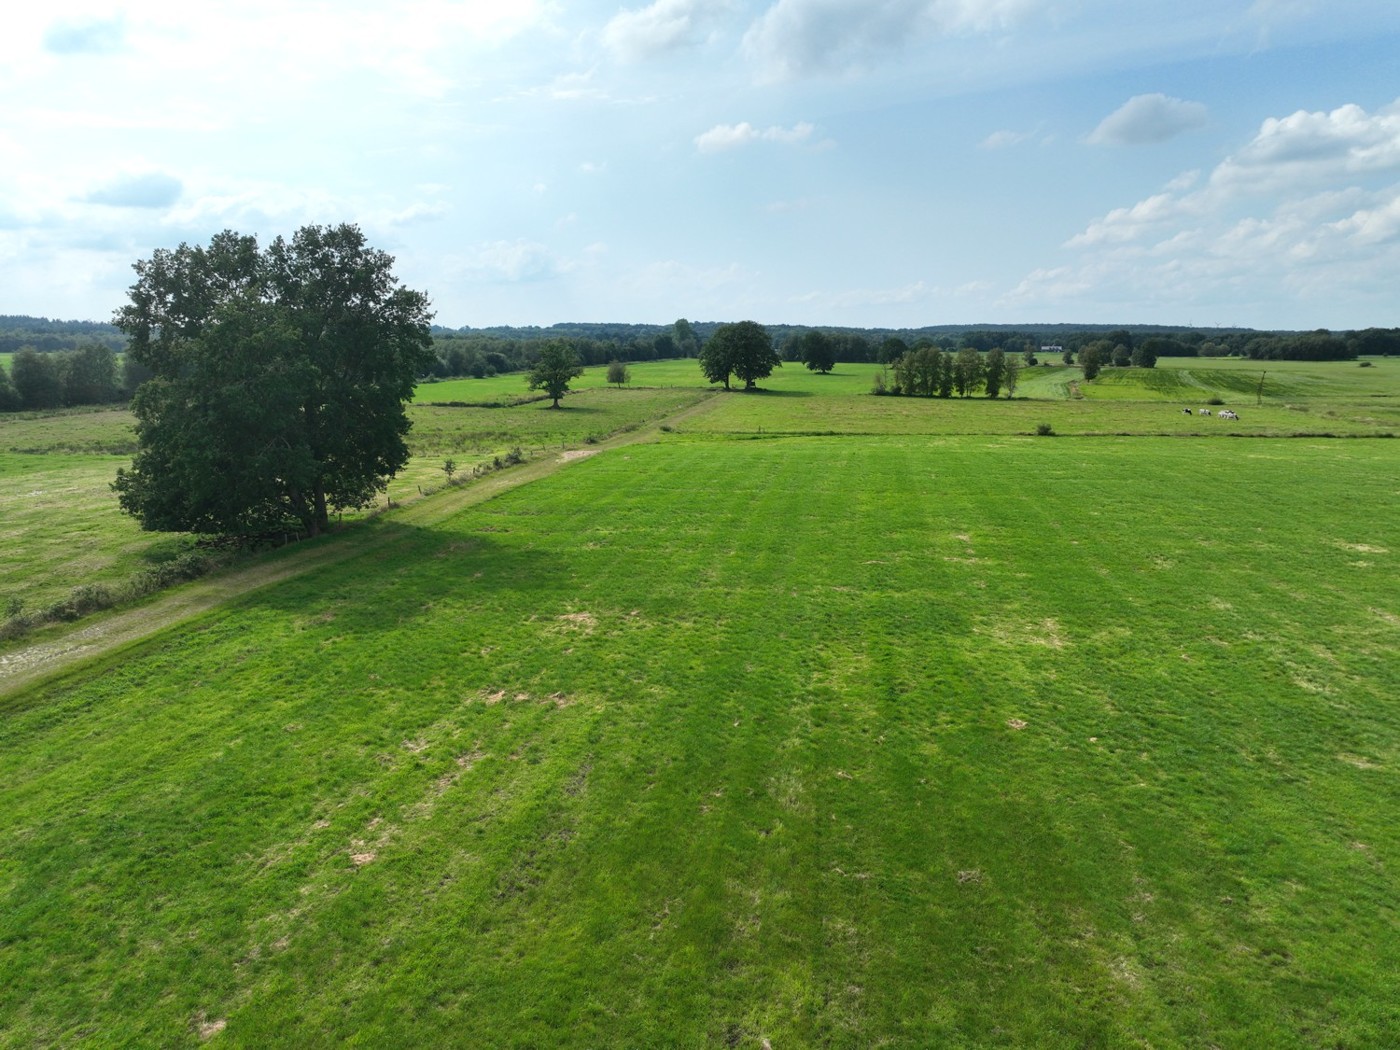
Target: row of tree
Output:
[(89, 375), (933, 372)]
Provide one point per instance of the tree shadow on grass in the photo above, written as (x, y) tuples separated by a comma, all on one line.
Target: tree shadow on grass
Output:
[(572, 408), (406, 569)]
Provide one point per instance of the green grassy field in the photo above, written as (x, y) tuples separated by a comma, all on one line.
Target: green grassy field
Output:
[(61, 527), (904, 736), (472, 805), (76, 452), (679, 372)]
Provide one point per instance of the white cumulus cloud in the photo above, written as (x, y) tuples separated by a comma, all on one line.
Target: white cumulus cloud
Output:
[(1309, 205), (1313, 148)]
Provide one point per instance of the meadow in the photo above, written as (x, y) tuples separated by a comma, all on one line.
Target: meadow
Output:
[(793, 722), (60, 526)]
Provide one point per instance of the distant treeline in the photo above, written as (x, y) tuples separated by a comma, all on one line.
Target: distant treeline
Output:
[(46, 336), (85, 368), (488, 351)]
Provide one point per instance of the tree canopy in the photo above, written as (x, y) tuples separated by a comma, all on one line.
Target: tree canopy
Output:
[(279, 378), (743, 349), (556, 366), (818, 352)]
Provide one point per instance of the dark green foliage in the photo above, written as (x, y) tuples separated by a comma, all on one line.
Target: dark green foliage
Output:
[(1012, 375), (921, 372), (1121, 356), (1377, 342), (9, 396), (1320, 345), (618, 373), (994, 371), (968, 373), (556, 366), (279, 383), (90, 375), (37, 379), (818, 352), (134, 373), (743, 349), (892, 349), (1091, 358), (715, 365), (687, 343), (48, 336), (1145, 354), (1044, 430)]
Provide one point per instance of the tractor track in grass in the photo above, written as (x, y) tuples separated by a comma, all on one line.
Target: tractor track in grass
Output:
[(64, 648)]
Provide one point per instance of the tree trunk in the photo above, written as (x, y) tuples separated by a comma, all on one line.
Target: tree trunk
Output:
[(320, 519)]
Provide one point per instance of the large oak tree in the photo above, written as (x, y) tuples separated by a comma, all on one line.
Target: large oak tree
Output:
[(743, 349), (279, 378)]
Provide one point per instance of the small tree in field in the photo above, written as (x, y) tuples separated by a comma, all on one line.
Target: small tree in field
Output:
[(1012, 375), (557, 365), (994, 371), (618, 373), (967, 371), (1091, 359), (818, 352)]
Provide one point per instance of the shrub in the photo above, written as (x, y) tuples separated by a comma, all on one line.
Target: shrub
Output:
[(81, 600), (1044, 430), (1214, 401)]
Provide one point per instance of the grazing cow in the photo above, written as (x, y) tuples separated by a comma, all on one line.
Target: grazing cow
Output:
[(1226, 413), (1205, 412), (1186, 412)]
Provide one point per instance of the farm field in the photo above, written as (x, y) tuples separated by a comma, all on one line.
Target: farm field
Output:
[(677, 372), (62, 527), (69, 458), (905, 735)]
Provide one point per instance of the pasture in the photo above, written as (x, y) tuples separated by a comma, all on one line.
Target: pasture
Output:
[(796, 722), (62, 527)]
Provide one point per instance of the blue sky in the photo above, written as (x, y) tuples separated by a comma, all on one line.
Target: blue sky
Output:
[(873, 163)]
